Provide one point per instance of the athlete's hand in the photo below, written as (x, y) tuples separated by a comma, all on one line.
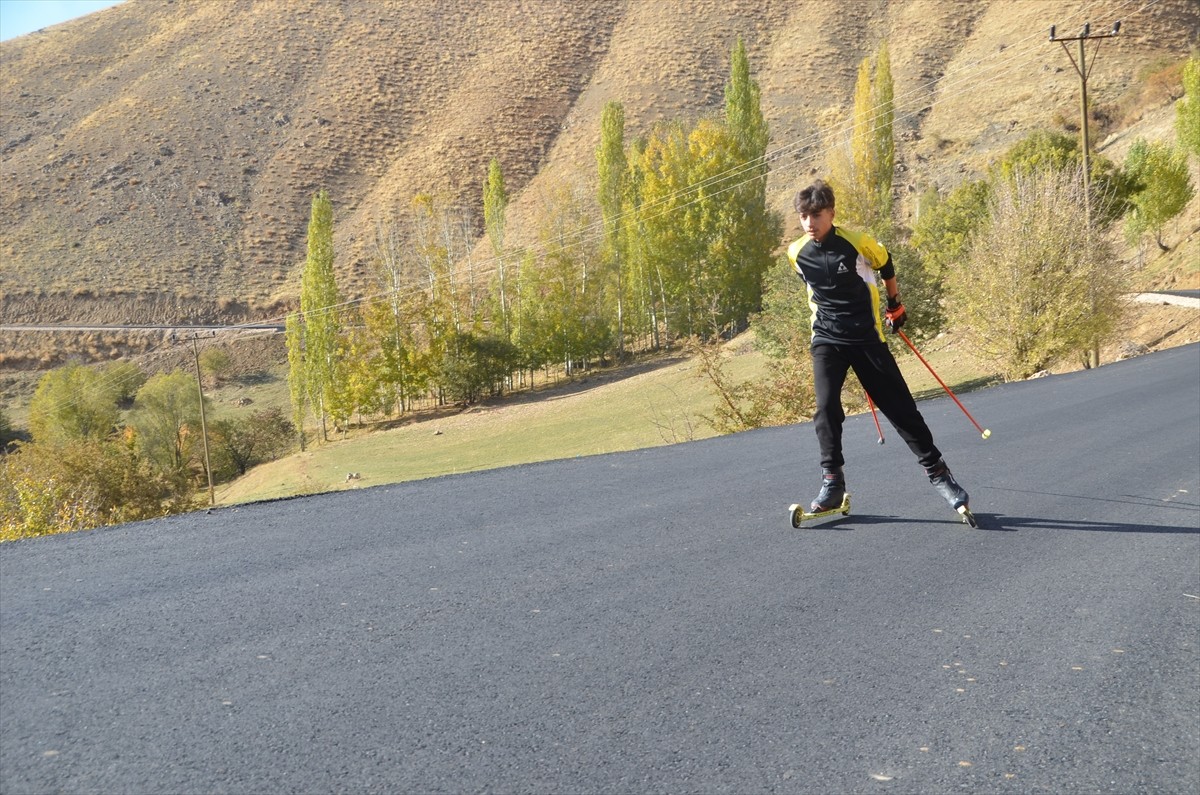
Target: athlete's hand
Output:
[(895, 314)]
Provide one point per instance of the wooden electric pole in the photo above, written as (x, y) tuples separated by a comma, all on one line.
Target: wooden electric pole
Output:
[(1084, 69), (212, 499)]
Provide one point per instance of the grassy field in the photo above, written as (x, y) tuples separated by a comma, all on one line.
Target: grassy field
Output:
[(648, 405)]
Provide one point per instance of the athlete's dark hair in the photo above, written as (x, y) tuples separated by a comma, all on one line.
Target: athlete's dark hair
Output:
[(815, 198)]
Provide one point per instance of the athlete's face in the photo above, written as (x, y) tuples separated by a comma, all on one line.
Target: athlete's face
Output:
[(817, 224)]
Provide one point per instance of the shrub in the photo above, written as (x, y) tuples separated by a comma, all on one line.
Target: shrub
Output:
[(1038, 283), (238, 445), (76, 485)]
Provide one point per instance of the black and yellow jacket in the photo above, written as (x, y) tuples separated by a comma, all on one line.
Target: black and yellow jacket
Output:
[(843, 275)]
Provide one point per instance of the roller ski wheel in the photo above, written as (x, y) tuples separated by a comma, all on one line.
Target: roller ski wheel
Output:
[(797, 513), (967, 516)]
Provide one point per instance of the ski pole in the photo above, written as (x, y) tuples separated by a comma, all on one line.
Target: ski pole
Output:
[(875, 417), (985, 432)]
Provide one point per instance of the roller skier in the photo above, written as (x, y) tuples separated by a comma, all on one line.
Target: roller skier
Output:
[(842, 270)]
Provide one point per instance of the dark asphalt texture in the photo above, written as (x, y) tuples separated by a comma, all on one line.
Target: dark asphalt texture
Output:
[(649, 622)]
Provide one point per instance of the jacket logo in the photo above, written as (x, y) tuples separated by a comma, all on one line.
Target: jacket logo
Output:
[(842, 268)]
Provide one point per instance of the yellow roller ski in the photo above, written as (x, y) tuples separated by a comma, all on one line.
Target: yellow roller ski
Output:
[(798, 514)]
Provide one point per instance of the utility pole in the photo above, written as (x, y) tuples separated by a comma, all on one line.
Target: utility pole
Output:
[(212, 499), (1084, 70)]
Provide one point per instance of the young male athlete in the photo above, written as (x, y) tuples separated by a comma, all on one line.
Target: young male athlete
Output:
[(842, 269)]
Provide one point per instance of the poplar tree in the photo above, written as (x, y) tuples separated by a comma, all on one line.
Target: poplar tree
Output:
[(863, 178), (644, 280), (612, 168), (297, 377), (495, 208), (743, 111), (753, 230), (564, 315), (666, 222), (319, 302), (884, 139)]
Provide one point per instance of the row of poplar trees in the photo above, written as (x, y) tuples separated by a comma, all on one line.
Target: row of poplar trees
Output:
[(671, 239)]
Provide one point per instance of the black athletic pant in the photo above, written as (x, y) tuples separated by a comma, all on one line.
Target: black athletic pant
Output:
[(877, 370)]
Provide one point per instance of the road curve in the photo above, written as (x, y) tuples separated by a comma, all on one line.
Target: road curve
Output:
[(649, 622)]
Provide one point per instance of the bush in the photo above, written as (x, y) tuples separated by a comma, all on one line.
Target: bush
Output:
[(475, 367), (1038, 284), (76, 485), (216, 364), (238, 445), (71, 403), (784, 397)]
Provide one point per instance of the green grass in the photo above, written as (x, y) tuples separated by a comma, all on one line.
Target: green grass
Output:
[(598, 414), (659, 403)]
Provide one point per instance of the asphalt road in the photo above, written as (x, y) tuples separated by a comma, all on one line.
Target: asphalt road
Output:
[(649, 621)]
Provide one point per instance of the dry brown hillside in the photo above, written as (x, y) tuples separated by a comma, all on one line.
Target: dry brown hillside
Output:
[(158, 158)]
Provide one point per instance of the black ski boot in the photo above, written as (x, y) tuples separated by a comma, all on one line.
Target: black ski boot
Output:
[(833, 491), (942, 480)]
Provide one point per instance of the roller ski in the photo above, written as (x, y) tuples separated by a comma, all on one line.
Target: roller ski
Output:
[(832, 500), (955, 495)]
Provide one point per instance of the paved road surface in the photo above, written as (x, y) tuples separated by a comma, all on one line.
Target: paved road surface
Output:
[(648, 622)]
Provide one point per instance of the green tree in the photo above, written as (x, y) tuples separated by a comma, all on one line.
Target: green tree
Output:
[(706, 238), (1044, 150), (922, 293), (73, 402), (661, 190), (751, 230), (396, 321), (123, 379), (166, 418), (475, 366), (743, 112), (1038, 283), (440, 240), (563, 307), (216, 364), (369, 388), (38, 497), (1187, 110), (612, 169), (669, 224), (863, 178), (319, 309), (1166, 188), (945, 235), (297, 373), (700, 235), (942, 233), (239, 444), (495, 214), (642, 280)]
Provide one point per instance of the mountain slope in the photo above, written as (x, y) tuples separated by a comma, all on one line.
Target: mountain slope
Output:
[(159, 158)]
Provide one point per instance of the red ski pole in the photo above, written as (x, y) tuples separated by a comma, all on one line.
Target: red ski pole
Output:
[(875, 417), (985, 432)]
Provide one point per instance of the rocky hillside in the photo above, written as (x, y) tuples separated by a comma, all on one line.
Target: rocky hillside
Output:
[(158, 158)]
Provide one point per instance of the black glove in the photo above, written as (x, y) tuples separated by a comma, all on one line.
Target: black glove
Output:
[(895, 315)]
